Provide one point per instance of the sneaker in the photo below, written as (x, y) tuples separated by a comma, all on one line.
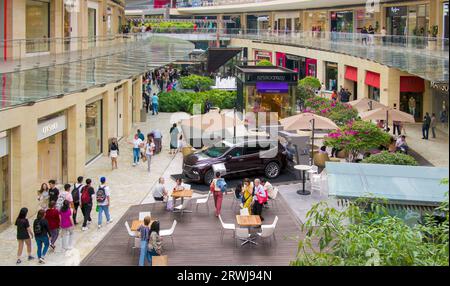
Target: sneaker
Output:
[(99, 226), (41, 260), (89, 222), (52, 246), (134, 164), (18, 261), (110, 220), (30, 258), (84, 228)]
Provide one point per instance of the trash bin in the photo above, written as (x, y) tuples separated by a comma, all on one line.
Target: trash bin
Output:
[(143, 115)]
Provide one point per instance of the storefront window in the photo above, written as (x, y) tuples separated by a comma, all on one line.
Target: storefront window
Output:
[(364, 19), (269, 97), (342, 21), (93, 130), (374, 93), (316, 21), (331, 75), (396, 20), (418, 20), (4, 178), (37, 25)]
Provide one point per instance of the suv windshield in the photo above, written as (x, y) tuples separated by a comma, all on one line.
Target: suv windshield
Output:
[(216, 151)]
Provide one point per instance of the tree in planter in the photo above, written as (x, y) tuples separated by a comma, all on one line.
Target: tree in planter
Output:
[(365, 234), (264, 63), (388, 158), (357, 137), (309, 82)]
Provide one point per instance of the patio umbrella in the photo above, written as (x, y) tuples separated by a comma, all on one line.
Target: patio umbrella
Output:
[(365, 104), (309, 121), (387, 113)]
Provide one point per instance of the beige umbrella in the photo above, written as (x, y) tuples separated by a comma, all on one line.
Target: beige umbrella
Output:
[(365, 104), (304, 120), (389, 114), (309, 121)]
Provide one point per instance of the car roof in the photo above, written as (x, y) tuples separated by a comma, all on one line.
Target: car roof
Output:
[(243, 142)]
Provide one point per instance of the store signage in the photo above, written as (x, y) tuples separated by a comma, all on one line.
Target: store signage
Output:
[(4, 149), (50, 127), (440, 86), (397, 11)]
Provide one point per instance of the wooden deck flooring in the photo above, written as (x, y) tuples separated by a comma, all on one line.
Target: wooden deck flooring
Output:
[(197, 239)]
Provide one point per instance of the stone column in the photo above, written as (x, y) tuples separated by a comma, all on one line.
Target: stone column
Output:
[(109, 118), (18, 28), (321, 71), (363, 89), (341, 76), (24, 154), (76, 138), (390, 87), (127, 107)]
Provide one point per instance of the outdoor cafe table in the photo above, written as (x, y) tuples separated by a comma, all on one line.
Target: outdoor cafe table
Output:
[(182, 194), (249, 221), (303, 168)]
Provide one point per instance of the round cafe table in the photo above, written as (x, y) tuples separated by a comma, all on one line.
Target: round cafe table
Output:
[(303, 168)]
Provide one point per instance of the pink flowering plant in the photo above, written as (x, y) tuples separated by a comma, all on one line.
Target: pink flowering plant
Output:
[(340, 113), (357, 137)]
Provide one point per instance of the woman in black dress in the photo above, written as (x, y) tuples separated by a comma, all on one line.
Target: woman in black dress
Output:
[(24, 234)]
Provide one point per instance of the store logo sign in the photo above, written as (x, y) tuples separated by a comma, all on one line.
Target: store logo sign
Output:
[(395, 10), (439, 86), (51, 127)]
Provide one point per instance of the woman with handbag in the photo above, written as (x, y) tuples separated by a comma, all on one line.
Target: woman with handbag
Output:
[(259, 199)]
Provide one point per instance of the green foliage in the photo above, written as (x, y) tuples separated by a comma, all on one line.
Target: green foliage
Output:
[(196, 81), (357, 137), (340, 113), (264, 63), (309, 82), (365, 234), (174, 101), (388, 158), (172, 27)]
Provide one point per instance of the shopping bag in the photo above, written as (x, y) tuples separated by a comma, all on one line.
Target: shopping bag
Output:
[(169, 206)]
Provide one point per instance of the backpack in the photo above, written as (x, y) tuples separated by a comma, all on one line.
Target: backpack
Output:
[(85, 196), (60, 201), (37, 227), (76, 194), (222, 185), (101, 195)]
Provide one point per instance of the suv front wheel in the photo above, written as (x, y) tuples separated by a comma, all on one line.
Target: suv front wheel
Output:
[(209, 177), (272, 170)]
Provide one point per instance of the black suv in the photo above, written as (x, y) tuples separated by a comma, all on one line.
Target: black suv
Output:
[(249, 155)]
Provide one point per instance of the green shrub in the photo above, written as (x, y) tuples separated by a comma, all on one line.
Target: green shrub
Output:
[(184, 101), (309, 82), (264, 63), (391, 159), (196, 81)]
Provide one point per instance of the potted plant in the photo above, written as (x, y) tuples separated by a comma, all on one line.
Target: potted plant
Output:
[(432, 37)]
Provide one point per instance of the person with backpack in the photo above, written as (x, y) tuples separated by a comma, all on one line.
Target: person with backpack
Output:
[(87, 197), (41, 233), (52, 217), (64, 195), (218, 188), (24, 234), (76, 195), (260, 197), (103, 201), (65, 216)]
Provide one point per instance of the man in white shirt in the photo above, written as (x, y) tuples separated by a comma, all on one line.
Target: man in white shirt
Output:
[(64, 195), (103, 201), (159, 192), (137, 144), (401, 145)]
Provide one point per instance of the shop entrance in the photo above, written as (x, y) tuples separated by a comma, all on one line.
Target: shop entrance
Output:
[(412, 103), (5, 193), (52, 158)]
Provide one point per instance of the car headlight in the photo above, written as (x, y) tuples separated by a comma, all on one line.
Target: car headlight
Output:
[(195, 172)]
